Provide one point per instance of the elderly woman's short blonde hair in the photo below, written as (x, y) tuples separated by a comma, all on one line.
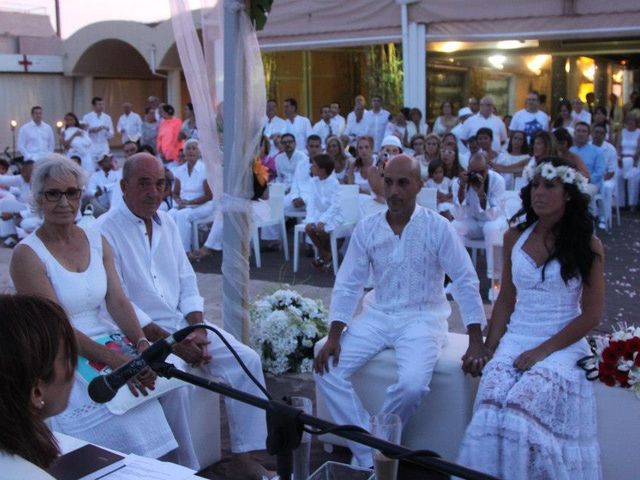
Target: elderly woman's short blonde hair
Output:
[(57, 167)]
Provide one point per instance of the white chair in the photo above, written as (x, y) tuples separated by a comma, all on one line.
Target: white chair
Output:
[(195, 229), (276, 205), (428, 198), (350, 214)]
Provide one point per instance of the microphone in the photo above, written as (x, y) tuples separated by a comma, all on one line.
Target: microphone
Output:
[(104, 387)]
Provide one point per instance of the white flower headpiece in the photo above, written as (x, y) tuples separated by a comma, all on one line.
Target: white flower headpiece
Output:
[(565, 173)]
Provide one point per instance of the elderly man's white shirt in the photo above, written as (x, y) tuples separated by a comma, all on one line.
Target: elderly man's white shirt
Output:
[(35, 141), (357, 129), (300, 128), (477, 121), (157, 278), (100, 140), (338, 124), (132, 126), (379, 125), (471, 207), (286, 167), (408, 270)]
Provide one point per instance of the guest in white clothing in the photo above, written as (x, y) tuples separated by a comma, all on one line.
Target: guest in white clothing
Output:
[(579, 114), (407, 249), (341, 163), (287, 161), (100, 128), (273, 126), (477, 194), (486, 118), (379, 118), (39, 357), (323, 208), (296, 125), (15, 210), (609, 180), (102, 185), (129, 124), (157, 277), (463, 115), (35, 138), (338, 122), (628, 146), (442, 184), (446, 121), (359, 124), (192, 195), (76, 142), (323, 127), (510, 164)]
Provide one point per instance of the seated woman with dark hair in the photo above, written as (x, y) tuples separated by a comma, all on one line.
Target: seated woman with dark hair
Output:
[(38, 355), (512, 162), (564, 141)]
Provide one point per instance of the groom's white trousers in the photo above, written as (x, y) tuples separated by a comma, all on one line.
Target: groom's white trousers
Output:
[(417, 342)]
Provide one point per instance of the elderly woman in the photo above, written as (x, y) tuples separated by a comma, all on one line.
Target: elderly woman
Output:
[(39, 356), (192, 196), (75, 268)]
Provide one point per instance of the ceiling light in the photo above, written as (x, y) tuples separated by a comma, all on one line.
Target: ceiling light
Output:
[(497, 61)]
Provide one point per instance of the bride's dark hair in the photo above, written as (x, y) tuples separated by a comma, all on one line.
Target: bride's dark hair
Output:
[(572, 245)]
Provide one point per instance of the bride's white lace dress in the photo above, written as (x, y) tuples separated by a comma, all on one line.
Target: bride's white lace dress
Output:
[(538, 424)]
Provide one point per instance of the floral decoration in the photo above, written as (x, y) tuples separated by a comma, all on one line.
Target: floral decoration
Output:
[(549, 172)]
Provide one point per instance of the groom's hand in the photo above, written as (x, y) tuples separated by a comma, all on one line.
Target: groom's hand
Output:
[(321, 362)]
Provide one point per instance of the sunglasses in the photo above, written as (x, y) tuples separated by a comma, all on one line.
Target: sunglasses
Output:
[(56, 195)]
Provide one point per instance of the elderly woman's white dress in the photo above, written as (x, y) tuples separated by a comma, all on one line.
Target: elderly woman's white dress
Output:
[(143, 430), (538, 424)]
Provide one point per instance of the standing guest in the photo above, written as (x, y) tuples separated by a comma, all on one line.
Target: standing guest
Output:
[(102, 184), (463, 115), (189, 128), (338, 122), (73, 267), (614, 115), (76, 142), (323, 209), (564, 118), (485, 142), (530, 119), (379, 118), (272, 125), (579, 113), (296, 125), (403, 245), (472, 104), (154, 103), (323, 127), (397, 127), (610, 172), (39, 356), (168, 143), (35, 138), (192, 196), (510, 164), (446, 120), (442, 184), (358, 124), (591, 156), (157, 276), (415, 125), (630, 105), (341, 162), (486, 118), (100, 128), (535, 412), (477, 195), (628, 146), (129, 124), (149, 128), (358, 101)]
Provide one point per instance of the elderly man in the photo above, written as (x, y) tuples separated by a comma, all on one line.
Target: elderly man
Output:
[(159, 280), (530, 119), (35, 138), (477, 194), (296, 125), (100, 128), (359, 124), (408, 249), (486, 118), (129, 124)]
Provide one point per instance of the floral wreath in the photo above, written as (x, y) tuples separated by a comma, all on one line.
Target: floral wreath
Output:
[(565, 173)]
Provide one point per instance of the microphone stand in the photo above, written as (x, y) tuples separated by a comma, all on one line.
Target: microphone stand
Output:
[(285, 426)]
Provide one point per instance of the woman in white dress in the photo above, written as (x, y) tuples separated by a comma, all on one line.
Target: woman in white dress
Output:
[(628, 145), (74, 268), (510, 164), (535, 413), (564, 118), (446, 121), (340, 160), (416, 125), (76, 142), (192, 197), (358, 173)]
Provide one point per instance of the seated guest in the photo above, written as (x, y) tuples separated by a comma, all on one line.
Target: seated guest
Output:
[(360, 169), (610, 172), (162, 284), (375, 201), (39, 356), (593, 163), (341, 162), (75, 268), (510, 164), (485, 139), (477, 193), (564, 118), (417, 145), (564, 143), (287, 161), (14, 204), (446, 121), (192, 196), (397, 127), (266, 158), (442, 184), (450, 161), (535, 412), (628, 146), (101, 185), (431, 153), (416, 124), (323, 210), (407, 249)]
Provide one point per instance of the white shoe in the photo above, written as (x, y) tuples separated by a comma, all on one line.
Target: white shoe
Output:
[(602, 225)]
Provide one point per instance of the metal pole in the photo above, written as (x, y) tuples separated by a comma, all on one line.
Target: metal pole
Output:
[(58, 28)]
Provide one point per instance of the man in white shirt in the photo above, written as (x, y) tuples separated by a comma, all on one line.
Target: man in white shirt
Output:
[(359, 101), (379, 119), (14, 204), (610, 154), (297, 125), (102, 184), (158, 278), (530, 119), (477, 194), (463, 115), (407, 249), (287, 161), (323, 127), (298, 197), (272, 125), (129, 124), (338, 123), (486, 118), (100, 128), (579, 114), (472, 104), (359, 125), (35, 138)]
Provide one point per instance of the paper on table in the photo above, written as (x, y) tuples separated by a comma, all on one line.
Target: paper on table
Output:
[(137, 467)]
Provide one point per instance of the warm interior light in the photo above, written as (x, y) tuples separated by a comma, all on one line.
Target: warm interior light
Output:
[(13, 124), (497, 61), (59, 124), (449, 47), (567, 66), (536, 63), (618, 76), (510, 44)]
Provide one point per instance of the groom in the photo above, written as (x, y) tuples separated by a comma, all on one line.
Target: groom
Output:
[(408, 249)]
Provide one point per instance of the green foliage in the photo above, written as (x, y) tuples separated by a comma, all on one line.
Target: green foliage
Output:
[(384, 75), (259, 12)]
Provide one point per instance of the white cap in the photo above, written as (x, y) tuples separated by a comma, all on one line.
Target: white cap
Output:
[(464, 111), (391, 141)]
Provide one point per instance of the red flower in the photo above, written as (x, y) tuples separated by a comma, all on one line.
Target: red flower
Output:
[(618, 348), (635, 343), (630, 346), (608, 355), (607, 380), (623, 378), (607, 368), (636, 363)]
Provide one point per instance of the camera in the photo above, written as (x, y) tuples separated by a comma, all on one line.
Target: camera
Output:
[(474, 179)]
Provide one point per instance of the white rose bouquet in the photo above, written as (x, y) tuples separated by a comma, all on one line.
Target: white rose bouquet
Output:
[(284, 328)]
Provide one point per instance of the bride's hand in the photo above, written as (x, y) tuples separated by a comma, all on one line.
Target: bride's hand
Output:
[(526, 360)]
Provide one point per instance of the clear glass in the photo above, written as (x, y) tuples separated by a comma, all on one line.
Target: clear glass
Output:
[(302, 454), (386, 426)]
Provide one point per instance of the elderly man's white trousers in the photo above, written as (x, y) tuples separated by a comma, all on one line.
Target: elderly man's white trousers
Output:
[(417, 344), (489, 231)]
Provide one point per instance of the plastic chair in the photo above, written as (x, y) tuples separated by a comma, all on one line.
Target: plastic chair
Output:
[(276, 204), (195, 229)]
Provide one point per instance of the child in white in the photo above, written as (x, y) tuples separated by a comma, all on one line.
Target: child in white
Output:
[(438, 181)]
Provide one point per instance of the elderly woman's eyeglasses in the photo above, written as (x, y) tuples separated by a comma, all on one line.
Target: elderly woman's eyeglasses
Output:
[(56, 195)]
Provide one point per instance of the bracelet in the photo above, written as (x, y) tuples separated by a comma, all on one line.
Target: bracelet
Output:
[(142, 339)]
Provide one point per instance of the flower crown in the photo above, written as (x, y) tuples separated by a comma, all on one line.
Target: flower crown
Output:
[(565, 173)]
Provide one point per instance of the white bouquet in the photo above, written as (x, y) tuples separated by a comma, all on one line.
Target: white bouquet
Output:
[(284, 328)]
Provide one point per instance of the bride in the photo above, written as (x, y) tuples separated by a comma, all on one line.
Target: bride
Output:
[(535, 413)]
